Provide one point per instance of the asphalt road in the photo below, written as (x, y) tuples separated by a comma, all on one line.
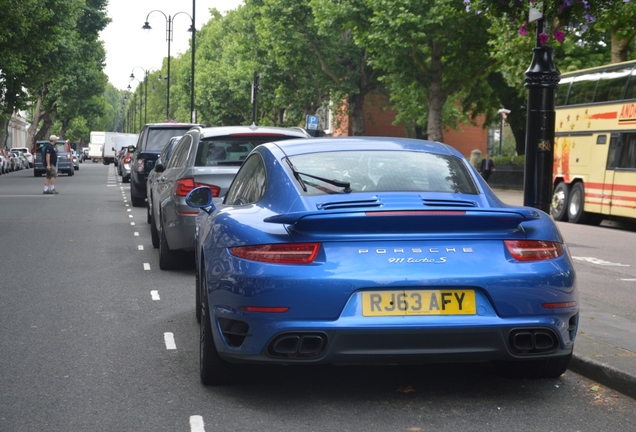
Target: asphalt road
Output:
[(96, 338)]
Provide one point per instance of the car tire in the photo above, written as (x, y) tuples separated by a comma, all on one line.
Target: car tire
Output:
[(137, 202), (154, 233), (559, 206), (213, 370), (148, 211), (576, 204), (539, 368), (168, 259)]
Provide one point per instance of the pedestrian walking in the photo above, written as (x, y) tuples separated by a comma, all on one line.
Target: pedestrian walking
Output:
[(49, 153), (486, 167)]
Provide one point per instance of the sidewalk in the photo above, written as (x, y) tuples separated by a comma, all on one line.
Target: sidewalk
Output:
[(605, 350)]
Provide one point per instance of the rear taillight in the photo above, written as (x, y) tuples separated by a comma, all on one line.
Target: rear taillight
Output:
[(533, 250), (139, 165), (184, 186), (284, 253), (127, 159)]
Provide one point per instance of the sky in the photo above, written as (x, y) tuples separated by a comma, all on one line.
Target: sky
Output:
[(128, 46)]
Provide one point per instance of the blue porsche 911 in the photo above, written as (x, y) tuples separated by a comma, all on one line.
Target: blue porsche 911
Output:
[(377, 250)]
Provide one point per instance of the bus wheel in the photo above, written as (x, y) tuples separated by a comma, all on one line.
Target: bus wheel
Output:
[(576, 203), (559, 206)]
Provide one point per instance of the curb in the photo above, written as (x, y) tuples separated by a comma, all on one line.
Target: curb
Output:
[(604, 374)]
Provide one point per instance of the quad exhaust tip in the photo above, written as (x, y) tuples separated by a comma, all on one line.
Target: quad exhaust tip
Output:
[(533, 341), (298, 345)]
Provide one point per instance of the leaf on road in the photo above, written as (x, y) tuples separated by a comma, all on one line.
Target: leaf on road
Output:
[(404, 389), (595, 388)]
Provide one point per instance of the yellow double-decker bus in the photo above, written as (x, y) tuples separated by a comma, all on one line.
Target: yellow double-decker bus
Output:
[(595, 145)]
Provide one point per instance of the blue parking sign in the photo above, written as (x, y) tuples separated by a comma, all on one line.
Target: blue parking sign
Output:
[(312, 122)]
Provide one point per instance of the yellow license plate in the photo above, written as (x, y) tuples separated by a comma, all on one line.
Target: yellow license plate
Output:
[(418, 302)]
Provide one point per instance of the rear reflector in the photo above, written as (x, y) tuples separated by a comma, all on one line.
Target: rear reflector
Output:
[(533, 250), (285, 253), (559, 305), (263, 309)]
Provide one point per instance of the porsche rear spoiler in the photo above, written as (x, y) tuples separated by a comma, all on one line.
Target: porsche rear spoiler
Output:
[(444, 222)]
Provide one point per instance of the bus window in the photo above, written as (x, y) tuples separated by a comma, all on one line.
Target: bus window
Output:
[(601, 139), (611, 154), (630, 91), (561, 96), (627, 157), (583, 88), (611, 84)]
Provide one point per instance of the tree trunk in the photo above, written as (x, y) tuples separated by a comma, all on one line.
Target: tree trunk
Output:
[(356, 113), (620, 47), (4, 125), (436, 97)]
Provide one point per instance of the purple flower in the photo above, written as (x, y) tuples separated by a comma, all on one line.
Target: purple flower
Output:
[(543, 38), (559, 36), (589, 18)]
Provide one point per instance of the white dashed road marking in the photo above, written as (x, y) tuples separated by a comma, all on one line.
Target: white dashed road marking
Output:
[(196, 424), (146, 266), (169, 339), (155, 295)]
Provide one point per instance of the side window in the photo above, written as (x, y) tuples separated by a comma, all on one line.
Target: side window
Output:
[(611, 153), (627, 158), (249, 184), (180, 152)]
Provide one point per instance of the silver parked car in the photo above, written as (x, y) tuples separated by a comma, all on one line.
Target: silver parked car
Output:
[(203, 157)]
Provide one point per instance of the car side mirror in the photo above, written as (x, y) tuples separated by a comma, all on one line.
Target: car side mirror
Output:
[(159, 166), (131, 148), (201, 198)]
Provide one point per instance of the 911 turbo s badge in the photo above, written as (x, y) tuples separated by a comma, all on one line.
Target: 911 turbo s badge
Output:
[(395, 258)]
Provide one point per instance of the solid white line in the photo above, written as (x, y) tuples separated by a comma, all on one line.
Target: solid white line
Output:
[(146, 266), (140, 247), (155, 295), (196, 424), (169, 339), (628, 280)]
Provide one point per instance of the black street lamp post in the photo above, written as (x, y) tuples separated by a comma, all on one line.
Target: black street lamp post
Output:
[(145, 84), (169, 22), (542, 79)]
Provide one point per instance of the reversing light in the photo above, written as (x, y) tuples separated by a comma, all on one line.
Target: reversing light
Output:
[(263, 309), (534, 250), (284, 253)]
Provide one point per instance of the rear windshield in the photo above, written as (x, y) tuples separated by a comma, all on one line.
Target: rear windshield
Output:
[(376, 171), (159, 138), (229, 150)]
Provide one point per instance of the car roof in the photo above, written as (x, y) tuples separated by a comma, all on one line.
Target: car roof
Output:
[(253, 129), (294, 147)]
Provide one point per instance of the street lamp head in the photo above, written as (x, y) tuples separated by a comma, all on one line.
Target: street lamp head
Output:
[(132, 76), (191, 29), (128, 88), (147, 26)]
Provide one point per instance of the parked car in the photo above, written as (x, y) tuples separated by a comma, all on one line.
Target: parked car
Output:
[(24, 162), (152, 139), (4, 163), (123, 166), (25, 151), (377, 250), (75, 159), (17, 163), (207, 157), (163, 159), (64, 159)]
